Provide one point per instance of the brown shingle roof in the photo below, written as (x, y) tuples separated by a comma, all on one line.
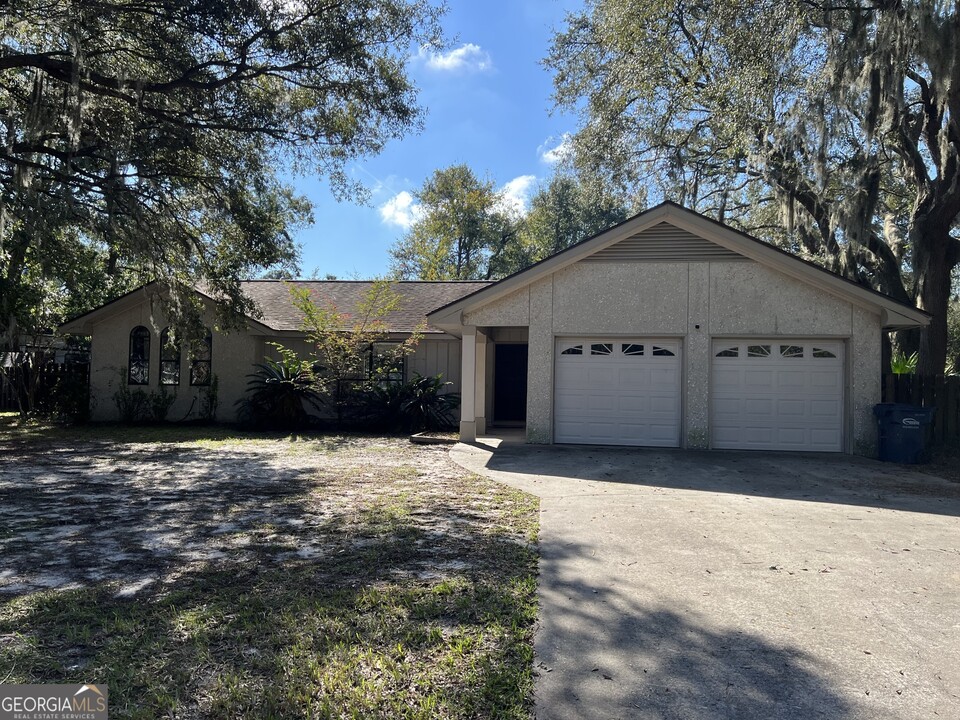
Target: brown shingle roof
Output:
[(416, 300)]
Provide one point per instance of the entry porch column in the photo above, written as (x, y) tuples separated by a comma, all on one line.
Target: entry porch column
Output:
[(468, 384)]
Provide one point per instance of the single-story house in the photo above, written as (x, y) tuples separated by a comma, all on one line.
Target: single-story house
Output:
[(129, 341), (668, 330)]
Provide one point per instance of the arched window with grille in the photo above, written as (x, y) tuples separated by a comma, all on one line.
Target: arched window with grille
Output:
[(138, 362), (169, 358), (201, 359)]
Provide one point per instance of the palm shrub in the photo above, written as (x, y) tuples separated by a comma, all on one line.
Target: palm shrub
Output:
[(278, 394), (380, 408), (417, 405), (903, 364), (426, 406)]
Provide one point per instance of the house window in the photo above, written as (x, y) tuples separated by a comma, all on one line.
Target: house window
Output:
[(169, 359), (601, 349), (201, 359), (631, 349), (138, 362), (384, 365)]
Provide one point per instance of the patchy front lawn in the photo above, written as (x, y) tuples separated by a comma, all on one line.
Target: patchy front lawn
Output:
[(218, 575)]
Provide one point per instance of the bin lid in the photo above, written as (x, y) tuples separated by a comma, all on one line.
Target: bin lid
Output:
[(897, 412)]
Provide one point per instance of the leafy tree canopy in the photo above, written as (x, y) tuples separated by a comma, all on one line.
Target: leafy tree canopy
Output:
[(467, 230), (143, 140), (350, 353), (833, 128), (460, 233), (565, 211)]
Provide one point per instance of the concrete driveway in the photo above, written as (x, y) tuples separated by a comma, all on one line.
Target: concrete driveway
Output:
[(699, 585)]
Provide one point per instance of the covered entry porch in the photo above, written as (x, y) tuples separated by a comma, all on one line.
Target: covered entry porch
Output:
[(497, 360)]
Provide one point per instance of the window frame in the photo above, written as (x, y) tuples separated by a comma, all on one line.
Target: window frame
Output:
[(142, 364), (196, 361), (170, 358), (396, 376)]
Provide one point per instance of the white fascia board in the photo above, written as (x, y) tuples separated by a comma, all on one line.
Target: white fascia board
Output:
[(83, 325), (450, 317)]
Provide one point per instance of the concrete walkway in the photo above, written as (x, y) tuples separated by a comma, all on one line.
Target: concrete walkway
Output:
[(696, 585)]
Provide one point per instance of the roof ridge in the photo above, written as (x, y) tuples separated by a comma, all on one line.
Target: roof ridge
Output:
[(402, 282)]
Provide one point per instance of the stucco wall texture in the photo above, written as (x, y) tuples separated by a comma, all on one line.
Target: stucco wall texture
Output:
[(231, 360), (696, 302)]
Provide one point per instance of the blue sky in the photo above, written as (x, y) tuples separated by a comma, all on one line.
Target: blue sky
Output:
[(488, 105)]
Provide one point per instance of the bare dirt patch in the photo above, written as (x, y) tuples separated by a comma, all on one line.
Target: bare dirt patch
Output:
[(222, 576)]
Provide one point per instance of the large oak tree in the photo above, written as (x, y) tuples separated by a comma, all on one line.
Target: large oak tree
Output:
[(832, 127), (153, 138)]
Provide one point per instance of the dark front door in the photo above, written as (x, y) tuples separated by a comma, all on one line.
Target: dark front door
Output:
[(510, 383)]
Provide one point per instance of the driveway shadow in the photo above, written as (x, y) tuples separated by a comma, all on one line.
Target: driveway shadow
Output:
[(611, 653), (804, 477)]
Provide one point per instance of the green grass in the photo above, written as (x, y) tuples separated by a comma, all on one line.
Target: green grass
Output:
[(400, 617)]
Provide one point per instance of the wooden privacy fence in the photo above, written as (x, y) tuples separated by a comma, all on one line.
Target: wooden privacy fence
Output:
[(73, 378), (940, 391), (8, 394)]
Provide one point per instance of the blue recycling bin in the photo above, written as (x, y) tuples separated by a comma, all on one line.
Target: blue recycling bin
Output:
[(903, 432)]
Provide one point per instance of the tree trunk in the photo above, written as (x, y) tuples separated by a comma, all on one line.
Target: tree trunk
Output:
[(934, 258)]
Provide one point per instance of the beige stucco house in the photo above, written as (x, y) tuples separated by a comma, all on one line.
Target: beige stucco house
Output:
[(128, 345), (674, 330), (668, 330)]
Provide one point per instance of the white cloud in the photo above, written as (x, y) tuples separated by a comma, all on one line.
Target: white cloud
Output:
[(515, 195), (551, 151), (466, 57), (400, 210)]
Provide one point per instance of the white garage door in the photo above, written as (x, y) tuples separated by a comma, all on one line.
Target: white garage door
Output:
[(773, 394), (618, 392)]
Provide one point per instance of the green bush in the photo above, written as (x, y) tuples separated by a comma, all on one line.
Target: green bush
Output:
[(953, 338), (417, 405), (278, 394)]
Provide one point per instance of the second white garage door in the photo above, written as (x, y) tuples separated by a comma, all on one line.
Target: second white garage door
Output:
[(618, 392), (772, 394)]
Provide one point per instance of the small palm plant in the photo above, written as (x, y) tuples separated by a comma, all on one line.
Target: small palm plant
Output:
[(417, 405), (426, 406), (903, 364), (278, 394)]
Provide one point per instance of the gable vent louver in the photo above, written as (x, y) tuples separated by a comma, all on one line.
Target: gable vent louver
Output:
[(664, 243)]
